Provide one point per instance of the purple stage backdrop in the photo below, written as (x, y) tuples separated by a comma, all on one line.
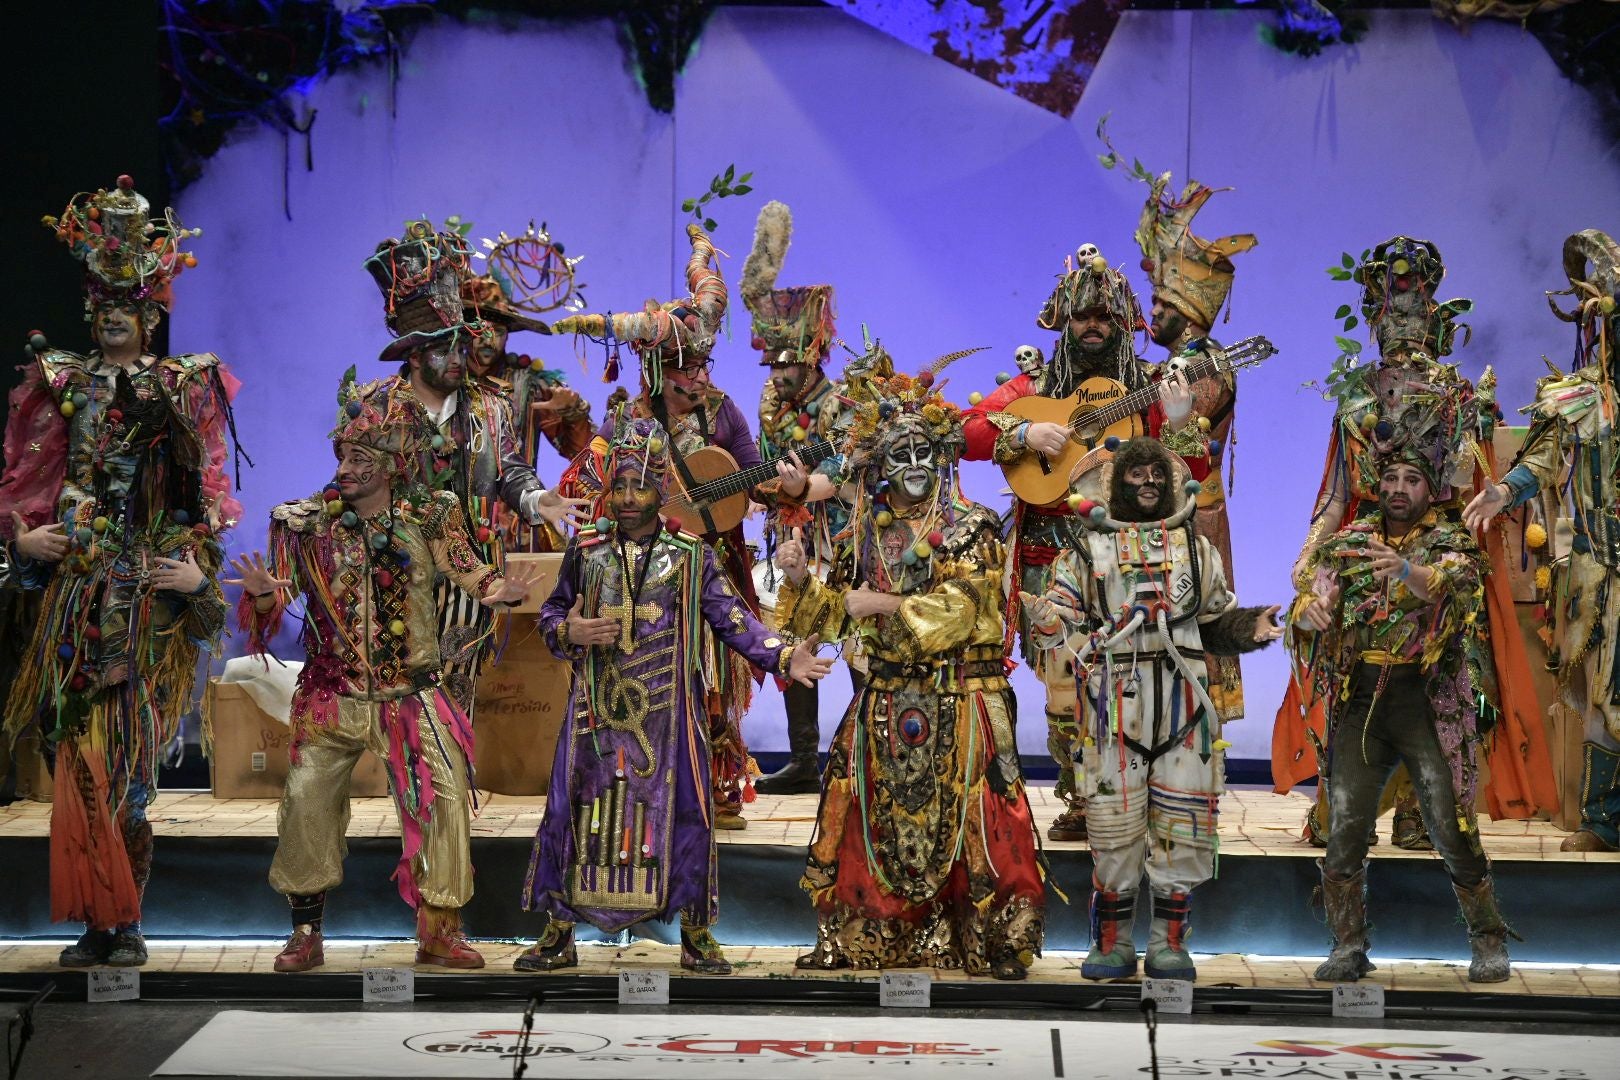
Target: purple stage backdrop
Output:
[(940, 206)]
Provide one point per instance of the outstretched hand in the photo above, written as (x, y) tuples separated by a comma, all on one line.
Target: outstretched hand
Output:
[(254, 577), (1491, 500), (558, 512), (514, 587), (1266, 627), (804, 666)]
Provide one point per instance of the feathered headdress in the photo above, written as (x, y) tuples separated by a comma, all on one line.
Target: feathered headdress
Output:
[(793, 325), (882, 409), (680, 332)]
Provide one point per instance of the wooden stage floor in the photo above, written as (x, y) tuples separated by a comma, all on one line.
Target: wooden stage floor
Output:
[(1224, 971), (1252, 822)]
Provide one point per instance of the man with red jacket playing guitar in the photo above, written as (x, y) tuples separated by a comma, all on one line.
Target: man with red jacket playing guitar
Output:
[(1096, 313)]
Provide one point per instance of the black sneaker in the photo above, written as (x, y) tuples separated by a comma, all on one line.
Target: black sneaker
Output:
[(90, 950), (128, 949)]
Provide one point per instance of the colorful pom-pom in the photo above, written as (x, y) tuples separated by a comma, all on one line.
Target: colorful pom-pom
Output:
[(1192, 487), (1535, 535), (673, 524), (1002, 378), (975, 397), (100, 524), (67, 407), (1111, 443), (397, 628), (936, 538), (603, 524), (1543, 577), (883, 519), (350, 518), (352, 409), (1098, 513), (385, 578)]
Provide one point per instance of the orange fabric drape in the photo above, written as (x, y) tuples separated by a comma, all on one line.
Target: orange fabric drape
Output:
[(91, 880), (1521, 781)]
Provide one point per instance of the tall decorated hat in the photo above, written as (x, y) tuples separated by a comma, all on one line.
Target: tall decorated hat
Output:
[(421, 280), (1399, 279), (791, 325), (639, 447), (680, 332), (128, 257), (1592, 265), (1189, 273)]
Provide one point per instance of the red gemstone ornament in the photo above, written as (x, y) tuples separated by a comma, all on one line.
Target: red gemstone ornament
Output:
[(936, 538)]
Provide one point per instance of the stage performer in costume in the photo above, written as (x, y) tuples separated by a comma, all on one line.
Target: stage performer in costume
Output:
[(114, 496), (793, 330), (675, 344), (1572, 448), (1136, 605), (924, 853), (474, 452), (542, 404), (642, 610), (1395, 601), (1096, 314), (364, 554), (1380, 407), (1192, 278)]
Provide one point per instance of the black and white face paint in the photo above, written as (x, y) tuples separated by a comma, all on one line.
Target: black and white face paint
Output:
[(908, 465)]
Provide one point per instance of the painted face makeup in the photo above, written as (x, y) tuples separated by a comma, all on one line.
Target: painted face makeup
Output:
[(908, 466), (490, 348), (789, 376), (634, 506), (1148, 488), (117, 325), (444, 366), (360, 471), (685, 388)]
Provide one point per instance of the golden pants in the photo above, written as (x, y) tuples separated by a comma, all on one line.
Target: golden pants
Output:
[(313, 821)]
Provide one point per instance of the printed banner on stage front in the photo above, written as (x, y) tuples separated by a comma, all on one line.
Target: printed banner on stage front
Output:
[(587, 1046)]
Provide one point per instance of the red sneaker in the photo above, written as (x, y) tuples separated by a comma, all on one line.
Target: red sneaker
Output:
[(302, 952), (440, 941)]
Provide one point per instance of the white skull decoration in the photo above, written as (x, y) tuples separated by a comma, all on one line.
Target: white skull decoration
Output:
[(1028, 358), (1087, 252)]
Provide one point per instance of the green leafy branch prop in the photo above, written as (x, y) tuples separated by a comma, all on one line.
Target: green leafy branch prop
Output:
[(723, 185), (1112, 158), (1343, 371)]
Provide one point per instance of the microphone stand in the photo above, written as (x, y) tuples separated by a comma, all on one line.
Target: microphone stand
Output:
[(1150, 1017), (520, 1060), (22, 1022)]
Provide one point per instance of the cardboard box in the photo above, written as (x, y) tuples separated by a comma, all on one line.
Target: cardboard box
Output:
[(520, 705), (548, 563), (249, 758)]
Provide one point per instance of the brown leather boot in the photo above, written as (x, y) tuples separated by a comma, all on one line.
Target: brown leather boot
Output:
[(1346, 903), (440, 941), (1487, 932)]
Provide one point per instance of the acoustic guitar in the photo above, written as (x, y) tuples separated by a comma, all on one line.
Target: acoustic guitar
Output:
[(716, 498), (1101, 408)]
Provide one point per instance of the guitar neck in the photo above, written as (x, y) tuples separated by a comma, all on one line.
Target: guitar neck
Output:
[(743, 479), (1140, 400)]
